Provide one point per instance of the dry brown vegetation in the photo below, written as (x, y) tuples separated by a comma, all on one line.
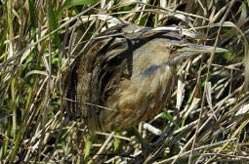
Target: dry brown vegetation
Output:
[(206, 120)]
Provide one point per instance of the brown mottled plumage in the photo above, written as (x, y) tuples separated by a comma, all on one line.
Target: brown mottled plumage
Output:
[(125, 76)]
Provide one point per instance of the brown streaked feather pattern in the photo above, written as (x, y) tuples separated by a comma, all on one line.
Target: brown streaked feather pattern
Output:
[(121, 80)]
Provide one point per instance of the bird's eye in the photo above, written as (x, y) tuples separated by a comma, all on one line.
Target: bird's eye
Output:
[(172, 47)]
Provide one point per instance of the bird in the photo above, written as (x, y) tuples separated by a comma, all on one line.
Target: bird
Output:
[(125, 76)]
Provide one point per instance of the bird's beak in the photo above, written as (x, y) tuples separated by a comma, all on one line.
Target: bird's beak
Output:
[(188, 50), (195, 48)]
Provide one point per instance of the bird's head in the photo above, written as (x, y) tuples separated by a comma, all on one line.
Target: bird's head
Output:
[(177, 50)]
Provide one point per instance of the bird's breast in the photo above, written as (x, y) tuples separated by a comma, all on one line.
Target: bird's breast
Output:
[(139, 98)]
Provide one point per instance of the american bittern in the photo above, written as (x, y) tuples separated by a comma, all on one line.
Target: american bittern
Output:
[(124, 78)]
